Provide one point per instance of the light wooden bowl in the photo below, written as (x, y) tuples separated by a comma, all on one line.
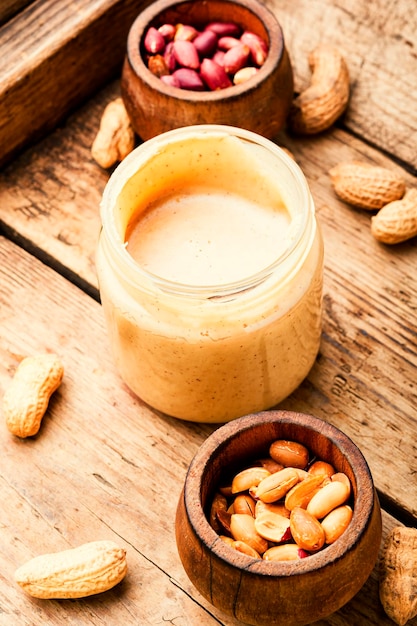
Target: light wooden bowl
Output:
[(270, 593), (261, 104)]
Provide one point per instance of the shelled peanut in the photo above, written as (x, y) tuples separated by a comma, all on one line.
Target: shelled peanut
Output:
[(219, 55), (283, 507)]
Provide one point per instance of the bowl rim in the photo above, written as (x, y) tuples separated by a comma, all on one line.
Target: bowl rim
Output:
[(149, 14), (219, 439)]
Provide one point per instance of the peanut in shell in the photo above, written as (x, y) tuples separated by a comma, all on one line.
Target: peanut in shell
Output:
[(75, 573), (366, 186)]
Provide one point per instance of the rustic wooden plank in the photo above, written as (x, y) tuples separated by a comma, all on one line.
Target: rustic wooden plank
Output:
[(379, 42), (364, 380), (365, 607), (53, 56), (102, 466), (58, 210), (10, 8)]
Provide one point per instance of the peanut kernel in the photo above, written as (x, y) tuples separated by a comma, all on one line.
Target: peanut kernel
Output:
[(283, 513)]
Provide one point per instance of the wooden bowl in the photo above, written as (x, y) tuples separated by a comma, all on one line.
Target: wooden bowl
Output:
[(270, 593), (261, 104)]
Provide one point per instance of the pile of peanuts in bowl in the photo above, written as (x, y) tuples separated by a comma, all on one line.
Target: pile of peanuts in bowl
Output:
[(219, 55), (283, 507)]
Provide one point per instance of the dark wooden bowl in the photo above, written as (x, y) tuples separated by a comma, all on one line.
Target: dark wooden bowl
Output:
[(272, 593), (261, 104)]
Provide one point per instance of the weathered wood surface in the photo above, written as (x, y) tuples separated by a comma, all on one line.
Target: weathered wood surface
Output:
[(365, 379), (103, 462), (379, 42), (10, 8), (102, 466), (56, 53)]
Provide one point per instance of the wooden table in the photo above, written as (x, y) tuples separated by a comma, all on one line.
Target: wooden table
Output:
[(106, 466)]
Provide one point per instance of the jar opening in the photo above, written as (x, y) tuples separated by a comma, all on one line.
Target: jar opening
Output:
[(206, 210)]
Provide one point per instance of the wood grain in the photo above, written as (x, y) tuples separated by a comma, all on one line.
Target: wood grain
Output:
[(105, 465), (9, 8), (364, 378), (234, 583), (102, 466), (53, 58), (54, 55), (379, 42), (257, 109), (84, 474)]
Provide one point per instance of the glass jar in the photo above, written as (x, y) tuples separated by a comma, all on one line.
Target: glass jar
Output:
[(204, 344)]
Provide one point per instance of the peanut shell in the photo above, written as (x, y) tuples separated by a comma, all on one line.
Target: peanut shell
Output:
[(365, 185), (115, 138), (75, 573), (327, 96), (398, 575), (26, 400), (396, 221)]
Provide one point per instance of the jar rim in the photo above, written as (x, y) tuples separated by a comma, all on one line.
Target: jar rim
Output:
[(128, 168)]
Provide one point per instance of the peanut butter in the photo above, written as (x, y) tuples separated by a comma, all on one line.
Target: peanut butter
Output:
[(210, 273)]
